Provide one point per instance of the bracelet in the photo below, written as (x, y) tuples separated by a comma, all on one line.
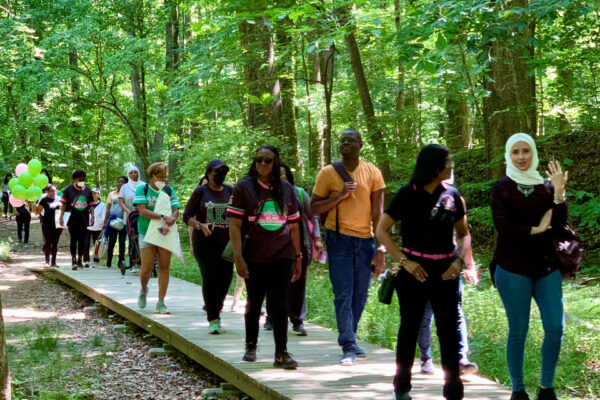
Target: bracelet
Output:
[(298, 255)]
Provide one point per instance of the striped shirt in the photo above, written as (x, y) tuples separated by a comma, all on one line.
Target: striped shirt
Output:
[(149, 199)]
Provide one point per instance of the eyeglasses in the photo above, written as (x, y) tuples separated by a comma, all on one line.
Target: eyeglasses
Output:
[(266, 161)]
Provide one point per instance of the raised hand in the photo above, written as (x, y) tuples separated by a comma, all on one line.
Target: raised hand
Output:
[(556, 176)]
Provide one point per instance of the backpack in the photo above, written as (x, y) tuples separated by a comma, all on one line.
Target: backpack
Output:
[(339, 168)]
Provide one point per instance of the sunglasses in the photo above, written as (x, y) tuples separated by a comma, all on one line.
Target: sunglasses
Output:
[(266, 161)]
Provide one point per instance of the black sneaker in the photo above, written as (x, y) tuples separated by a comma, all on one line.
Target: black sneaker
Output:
[(86, 265), (546, 394), (54, 266), (74, 266), (268, 326), (299, 329), (284, 360), (520, 395), (402, 396), (250, 354), (122, 267), (79, 264)]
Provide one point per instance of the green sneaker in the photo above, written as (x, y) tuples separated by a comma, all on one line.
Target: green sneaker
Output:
[(161, 308), (142, 299), (214, 327)]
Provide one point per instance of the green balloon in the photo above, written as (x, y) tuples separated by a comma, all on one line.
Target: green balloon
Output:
[(33, 193), (25, 179), (19, 192), (34, 166), (40, 181), (13, 182)]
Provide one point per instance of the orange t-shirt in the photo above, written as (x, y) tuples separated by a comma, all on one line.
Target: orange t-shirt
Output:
[(355, 211)]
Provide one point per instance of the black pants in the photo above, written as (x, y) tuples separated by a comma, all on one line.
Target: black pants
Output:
[(7, 205), (90, 239), (78, 232), (413, 296), (297, 294), (216, 275), (112, 239), (23, 221), (271, 280), (52, 237)]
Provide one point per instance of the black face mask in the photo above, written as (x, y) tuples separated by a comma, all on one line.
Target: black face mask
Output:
[(219, 177)]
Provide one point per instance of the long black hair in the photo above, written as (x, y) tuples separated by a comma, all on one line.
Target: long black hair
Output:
[(45, 172), (288, 173), (7, 178), (276, 185), (430, 162)]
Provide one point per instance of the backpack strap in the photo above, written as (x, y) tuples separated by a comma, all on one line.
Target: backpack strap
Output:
[(167, 189), (339, 168)]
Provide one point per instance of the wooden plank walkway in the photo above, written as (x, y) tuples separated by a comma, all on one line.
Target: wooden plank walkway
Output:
[(319, 376)]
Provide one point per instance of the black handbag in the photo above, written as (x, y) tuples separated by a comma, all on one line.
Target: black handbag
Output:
[(386, 289), (569, 251)]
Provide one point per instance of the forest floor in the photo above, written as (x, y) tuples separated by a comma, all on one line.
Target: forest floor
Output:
[(56, 351)]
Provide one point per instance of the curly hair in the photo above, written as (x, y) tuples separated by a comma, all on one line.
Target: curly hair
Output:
[(276, 185)]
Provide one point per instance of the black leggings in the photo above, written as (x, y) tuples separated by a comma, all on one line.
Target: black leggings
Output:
[(216, 275), (112, 239), (7, 205), (23, 221), (413, 296), (77, 231), (271, 280), (52, 237)]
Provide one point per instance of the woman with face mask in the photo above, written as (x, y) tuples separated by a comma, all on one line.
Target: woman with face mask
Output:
[(205, 212), (115, 211), (78, 200), (50, 204), (145, 200), (526, 210), (126, 196)]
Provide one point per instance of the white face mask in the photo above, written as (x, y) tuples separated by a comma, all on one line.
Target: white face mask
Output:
[(160, 184), (81, 184)]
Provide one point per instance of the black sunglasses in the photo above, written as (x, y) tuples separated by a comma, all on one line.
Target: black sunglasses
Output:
[(263, 160)]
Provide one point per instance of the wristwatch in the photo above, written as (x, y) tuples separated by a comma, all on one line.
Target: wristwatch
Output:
[(382, 249)]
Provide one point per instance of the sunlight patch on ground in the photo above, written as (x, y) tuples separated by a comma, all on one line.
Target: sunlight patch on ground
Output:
[(12, 315)]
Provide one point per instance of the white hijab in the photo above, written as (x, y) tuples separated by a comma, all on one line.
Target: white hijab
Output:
[(529, 177), (134, 184)]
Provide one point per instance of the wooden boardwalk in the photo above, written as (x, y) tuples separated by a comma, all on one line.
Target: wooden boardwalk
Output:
[(319, 376)]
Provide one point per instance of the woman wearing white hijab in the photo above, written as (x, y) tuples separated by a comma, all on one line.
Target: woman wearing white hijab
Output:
[(126, 195), (525, 266)]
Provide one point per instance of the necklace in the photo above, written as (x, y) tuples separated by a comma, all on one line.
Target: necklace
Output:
[(525, 189)]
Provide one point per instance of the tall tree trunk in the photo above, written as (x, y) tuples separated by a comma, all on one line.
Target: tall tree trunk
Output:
[(401, 138), (375, 132), (286, 78), (77, 155), (457, 131), (174, 125), (313, 138), (511, 104), (327, 70), (4, 372)]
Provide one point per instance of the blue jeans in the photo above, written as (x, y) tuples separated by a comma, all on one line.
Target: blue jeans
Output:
[(516, 292), (424, 339), (350, 274)]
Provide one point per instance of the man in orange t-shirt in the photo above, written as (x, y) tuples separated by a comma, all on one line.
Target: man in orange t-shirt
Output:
[(351, 248)]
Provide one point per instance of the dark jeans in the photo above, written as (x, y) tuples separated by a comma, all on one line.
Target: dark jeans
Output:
[(112, 240), (413, 297), (271, 280), (350, 274), (78, 232), (52, 237), (516, 292), (297, 295), (216, 275), (90, 239), (23, 221), (424, 340)]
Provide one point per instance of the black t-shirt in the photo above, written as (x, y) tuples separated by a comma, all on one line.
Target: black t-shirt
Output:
[(78, 203), (269, 236), (427, 220), (209, 206), (50, 207)]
